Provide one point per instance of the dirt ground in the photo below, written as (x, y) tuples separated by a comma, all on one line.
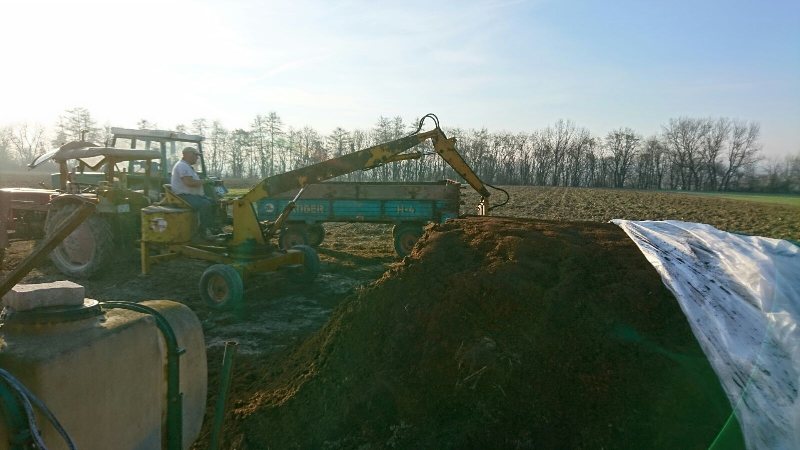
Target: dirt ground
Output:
[(495, 333), (510, 333)]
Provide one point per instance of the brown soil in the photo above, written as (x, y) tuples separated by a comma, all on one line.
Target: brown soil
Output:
[(495, 333)]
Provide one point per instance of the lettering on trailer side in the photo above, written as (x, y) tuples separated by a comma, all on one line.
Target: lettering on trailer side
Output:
[(306, 208), (405, 209)]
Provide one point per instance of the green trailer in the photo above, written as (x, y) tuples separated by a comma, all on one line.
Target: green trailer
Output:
[(407, 206)]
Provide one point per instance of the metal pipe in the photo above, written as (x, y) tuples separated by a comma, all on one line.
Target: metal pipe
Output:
[(222, 398)]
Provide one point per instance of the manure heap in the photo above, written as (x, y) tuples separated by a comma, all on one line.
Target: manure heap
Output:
[(498, 333)]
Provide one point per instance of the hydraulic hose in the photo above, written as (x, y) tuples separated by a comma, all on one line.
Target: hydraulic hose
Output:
[(28, 400), (508, 197)]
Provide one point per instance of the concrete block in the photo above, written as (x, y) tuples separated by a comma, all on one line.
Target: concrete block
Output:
[(24, 297)]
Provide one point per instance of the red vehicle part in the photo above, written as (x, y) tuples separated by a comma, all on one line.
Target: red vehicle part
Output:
[(22, 214)]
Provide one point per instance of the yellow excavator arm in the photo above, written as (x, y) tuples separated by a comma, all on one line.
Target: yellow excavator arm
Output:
[(245, 222)]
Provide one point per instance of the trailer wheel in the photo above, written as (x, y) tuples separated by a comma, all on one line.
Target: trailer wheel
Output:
[(221, 286), (316, 234), (405, 237), (309, 270), (292, 235), (87, 249)]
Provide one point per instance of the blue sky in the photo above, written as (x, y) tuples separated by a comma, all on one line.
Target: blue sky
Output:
[(504, 65)]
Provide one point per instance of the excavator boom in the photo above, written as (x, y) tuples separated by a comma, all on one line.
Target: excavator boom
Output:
[(332, 168), (246, 226)]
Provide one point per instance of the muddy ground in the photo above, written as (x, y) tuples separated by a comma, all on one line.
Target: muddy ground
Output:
[(285, 327), (495, 333)]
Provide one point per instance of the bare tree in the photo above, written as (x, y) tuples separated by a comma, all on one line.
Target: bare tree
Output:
[(775, 180), (145, 124), (27, 141), (713, 142), (550, 153), (358, 140), (605, 172), (199, 127), (783, 175), (623, 145), (237, 154), (476, 151), (105, 135), (505, 148), (556, 140), (382, 132), (743, 150), (592, 166), (535, 162), (793, 173), (398, 130), (275, 136), (684, 136), (260, 140), (73, 123), (465, 145), (576, 156), (311, 146), (217, 148), (294, 154), (5, 147), (650, 164), (338, 142), (489, 158)]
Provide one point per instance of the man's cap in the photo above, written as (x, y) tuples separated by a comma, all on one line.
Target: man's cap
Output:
[(191, 150)]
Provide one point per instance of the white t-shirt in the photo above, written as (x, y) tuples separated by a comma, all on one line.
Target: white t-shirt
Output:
[(180, 170)]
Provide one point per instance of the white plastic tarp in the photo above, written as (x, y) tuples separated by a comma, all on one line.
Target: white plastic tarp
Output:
[(741, 295)]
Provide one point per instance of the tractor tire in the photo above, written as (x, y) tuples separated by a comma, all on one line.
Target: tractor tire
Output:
[(405, 236), (86, 250), (308, 271), (316, 234), (221, 287), (292, 235)]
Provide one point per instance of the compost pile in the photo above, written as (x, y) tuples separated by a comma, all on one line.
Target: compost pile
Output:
[(496, 333)]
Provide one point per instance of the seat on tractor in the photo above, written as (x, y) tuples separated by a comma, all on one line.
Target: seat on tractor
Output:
[(173, 199), (172, 220)]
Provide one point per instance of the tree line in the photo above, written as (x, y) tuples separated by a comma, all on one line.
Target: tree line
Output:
[(708, 154)]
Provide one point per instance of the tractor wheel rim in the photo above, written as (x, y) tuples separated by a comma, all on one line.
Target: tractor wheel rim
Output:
[(217, 289), (294, 239), (407, 242)]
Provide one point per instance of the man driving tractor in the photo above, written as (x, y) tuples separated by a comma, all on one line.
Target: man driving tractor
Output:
[(186, 183)]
